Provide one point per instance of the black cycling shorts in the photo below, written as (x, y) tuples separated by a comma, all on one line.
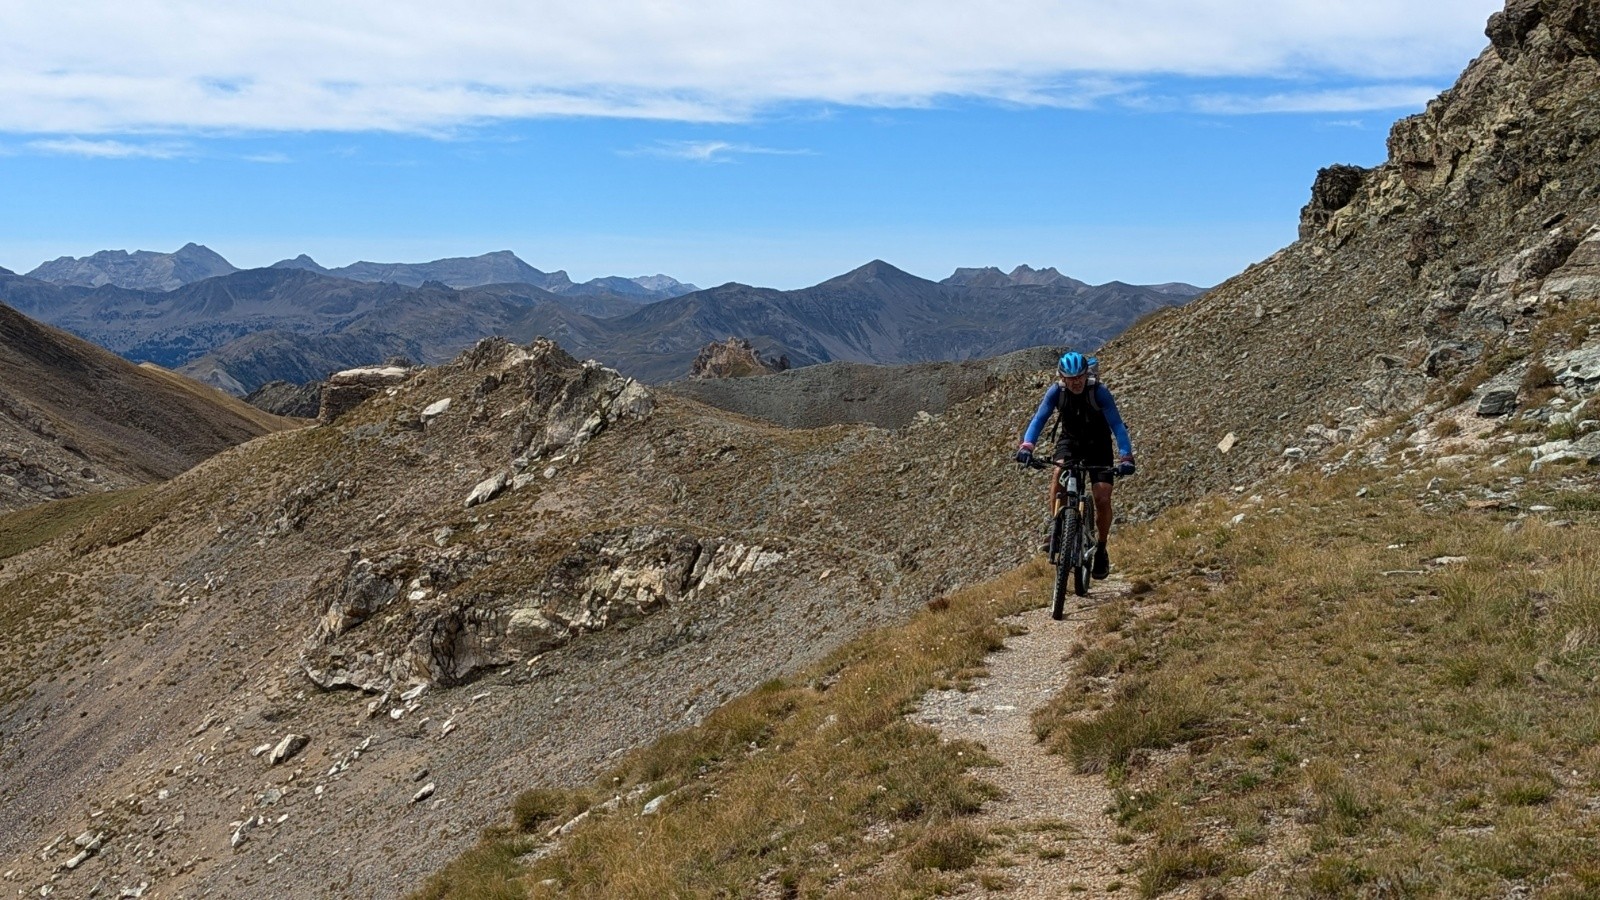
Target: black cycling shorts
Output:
[(1095, 455)]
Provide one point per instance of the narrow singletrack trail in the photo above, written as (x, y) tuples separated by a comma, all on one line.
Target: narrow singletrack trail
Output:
[(1052, 822)]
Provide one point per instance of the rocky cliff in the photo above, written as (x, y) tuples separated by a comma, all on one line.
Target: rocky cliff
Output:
[(1425, 274)]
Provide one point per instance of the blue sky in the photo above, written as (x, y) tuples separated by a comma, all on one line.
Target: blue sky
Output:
[(773, 144)]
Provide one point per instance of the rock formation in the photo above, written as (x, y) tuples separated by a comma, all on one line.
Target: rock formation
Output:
[(733, 358), (1406, 277)]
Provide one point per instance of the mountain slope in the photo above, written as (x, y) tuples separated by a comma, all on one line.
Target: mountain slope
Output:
[(645, 557), (1407, 278), (76, 419)]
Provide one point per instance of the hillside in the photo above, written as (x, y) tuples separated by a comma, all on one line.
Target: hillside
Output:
[(627, 561), (75, 419), (1427, 273)]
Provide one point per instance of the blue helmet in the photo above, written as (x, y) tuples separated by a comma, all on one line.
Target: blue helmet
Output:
[(1072, 364)]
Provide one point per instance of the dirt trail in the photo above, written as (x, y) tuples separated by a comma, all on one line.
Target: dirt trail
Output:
[(1058, 833)]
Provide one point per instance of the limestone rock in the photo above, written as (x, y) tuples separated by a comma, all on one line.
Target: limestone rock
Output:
[(346, 390), (434, 410), (287, 748), (488, 489)]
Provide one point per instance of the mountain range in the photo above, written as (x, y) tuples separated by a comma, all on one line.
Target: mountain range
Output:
[(325, 662), (146, 270), (291, 322)]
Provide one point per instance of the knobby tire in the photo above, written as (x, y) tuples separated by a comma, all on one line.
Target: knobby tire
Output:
[(1071, 548)]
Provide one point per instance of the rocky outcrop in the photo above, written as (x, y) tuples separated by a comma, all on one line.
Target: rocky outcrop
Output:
[(281, 398), (733, 358), (1333, 190), (346, 390), (441, 628), (1433, 267)]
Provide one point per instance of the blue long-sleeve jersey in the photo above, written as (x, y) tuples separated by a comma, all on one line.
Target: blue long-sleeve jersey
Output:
[(1108, 408)]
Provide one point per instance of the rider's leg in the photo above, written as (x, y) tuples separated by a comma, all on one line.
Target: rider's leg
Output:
[(1102, 515)]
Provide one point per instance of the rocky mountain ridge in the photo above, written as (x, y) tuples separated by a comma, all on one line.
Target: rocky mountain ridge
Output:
[(242, 330), (1441, 270), (499, 267), (142, 270), (501, 569)]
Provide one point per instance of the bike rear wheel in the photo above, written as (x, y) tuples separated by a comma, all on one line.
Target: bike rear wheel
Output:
[(1067, 561)]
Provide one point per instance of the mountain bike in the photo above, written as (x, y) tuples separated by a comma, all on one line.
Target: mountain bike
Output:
[(1072, 530)]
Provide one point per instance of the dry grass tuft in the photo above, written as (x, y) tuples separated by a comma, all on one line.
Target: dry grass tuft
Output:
[(780, 784)]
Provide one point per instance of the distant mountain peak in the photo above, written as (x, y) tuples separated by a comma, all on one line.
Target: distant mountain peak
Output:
[(144, 270), (875, 271), (6, 271)]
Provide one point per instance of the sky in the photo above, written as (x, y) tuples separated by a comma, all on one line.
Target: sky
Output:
[(776, 144)]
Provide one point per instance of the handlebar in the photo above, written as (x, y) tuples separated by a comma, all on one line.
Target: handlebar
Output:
[(1050, 464)]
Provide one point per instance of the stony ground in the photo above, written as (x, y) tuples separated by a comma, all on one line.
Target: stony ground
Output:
[(1057, 833)]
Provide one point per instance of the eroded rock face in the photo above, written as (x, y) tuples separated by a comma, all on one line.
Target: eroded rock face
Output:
[(346, 390), (1333, 190), (439, 626)]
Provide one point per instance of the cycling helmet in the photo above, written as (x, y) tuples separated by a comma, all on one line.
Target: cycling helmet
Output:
[(1072, 364)]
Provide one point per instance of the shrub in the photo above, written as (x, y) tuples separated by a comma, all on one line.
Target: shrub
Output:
[(949, 847)]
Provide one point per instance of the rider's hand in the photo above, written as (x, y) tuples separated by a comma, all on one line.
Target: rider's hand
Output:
[(1024, 454), (1125, 467)]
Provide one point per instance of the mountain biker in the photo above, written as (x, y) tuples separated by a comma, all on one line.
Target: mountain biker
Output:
[(1087, 421)]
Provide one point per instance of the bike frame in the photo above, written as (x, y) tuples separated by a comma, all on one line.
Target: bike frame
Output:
[(1073, 529)]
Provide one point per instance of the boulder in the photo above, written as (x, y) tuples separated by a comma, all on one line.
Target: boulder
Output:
[(1498, 403), (287, 748), (488, 489)]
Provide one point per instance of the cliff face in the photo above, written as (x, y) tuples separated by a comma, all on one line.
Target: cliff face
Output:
[(1407, 277)]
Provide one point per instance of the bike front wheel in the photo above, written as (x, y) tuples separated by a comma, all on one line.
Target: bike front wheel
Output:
[(1067, 560)]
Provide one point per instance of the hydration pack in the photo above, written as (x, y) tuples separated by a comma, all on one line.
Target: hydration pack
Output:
[(1090, 389)]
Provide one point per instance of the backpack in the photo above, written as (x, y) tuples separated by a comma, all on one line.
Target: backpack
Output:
[(1089, 387)]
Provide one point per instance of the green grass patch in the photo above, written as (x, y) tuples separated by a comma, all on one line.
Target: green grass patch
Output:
[(29, 528)]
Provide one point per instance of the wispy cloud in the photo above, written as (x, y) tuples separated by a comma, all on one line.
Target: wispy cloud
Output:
[(417, 66), (708, 151), (268, 158), (106, 149), (1357, 99)]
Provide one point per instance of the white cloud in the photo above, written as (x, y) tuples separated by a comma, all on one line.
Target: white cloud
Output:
[(107, 149), (1343, 100), (98, 66), (709, 151)]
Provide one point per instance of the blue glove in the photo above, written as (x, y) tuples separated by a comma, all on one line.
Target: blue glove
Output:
[(1125, 467), (1024, 454)]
